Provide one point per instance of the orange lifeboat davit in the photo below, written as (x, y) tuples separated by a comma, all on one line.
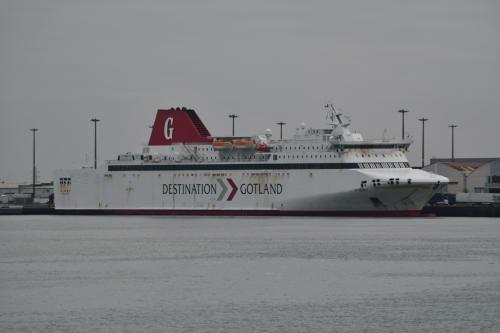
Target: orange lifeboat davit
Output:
[(222, 145)]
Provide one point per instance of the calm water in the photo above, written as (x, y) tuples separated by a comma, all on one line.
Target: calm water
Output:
[(157, 274)]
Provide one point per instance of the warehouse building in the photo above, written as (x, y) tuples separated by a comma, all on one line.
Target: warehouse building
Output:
[(468, 175)]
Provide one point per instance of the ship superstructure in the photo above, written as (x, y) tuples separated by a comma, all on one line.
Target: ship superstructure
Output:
[(185, 170)]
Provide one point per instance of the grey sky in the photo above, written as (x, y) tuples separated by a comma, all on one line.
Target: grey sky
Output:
[(64, 62)]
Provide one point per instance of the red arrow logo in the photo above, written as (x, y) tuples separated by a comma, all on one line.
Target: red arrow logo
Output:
[(233, 192)]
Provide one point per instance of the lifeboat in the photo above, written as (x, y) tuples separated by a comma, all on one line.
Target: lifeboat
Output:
[(244, 144), (222, 145)]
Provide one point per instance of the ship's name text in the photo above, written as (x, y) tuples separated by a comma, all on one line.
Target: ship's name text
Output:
[(245, 189), (261, 188), (189, 189)]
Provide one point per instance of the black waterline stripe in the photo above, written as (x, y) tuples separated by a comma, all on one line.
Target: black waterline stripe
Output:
[(253, 166)]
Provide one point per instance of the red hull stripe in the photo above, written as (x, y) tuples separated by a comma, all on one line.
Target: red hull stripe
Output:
[(237, 212)]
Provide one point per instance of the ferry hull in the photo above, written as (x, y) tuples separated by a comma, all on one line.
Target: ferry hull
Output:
[(243, 193)]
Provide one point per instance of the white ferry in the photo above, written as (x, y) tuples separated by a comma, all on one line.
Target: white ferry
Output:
[(184, 170)]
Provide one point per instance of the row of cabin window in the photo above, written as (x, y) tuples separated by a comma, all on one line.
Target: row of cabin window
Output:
[(299, 147), (229, 158), (304, 156), (375, 165), (365, 165), (277, 148), (255, 158), (322, 147), (242, 158), (170, 158), (228, 174)]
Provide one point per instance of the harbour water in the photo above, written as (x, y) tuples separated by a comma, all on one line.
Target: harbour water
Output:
[(185, 274)]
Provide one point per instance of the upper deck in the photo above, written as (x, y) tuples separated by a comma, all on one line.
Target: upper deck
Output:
[(309, 148)]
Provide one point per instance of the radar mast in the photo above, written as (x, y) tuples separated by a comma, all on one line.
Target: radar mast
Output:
[(335, 118)]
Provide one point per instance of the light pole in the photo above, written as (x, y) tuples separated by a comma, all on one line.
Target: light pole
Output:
[(34, 166), (423, 120), (233, 116), (403, 120), (452, 126), (281, 129), (95, 120)]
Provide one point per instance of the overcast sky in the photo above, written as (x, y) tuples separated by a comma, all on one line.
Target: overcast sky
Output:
[(65, 62)]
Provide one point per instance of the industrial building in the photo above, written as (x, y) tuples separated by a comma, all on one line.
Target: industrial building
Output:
[(14, 193), (468, 175)]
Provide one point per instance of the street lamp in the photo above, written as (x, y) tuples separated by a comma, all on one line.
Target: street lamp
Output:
[(95, 120), (34, 166), (452, 126), (403, 120), (281, 129), (423, 120), (233, 116)]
